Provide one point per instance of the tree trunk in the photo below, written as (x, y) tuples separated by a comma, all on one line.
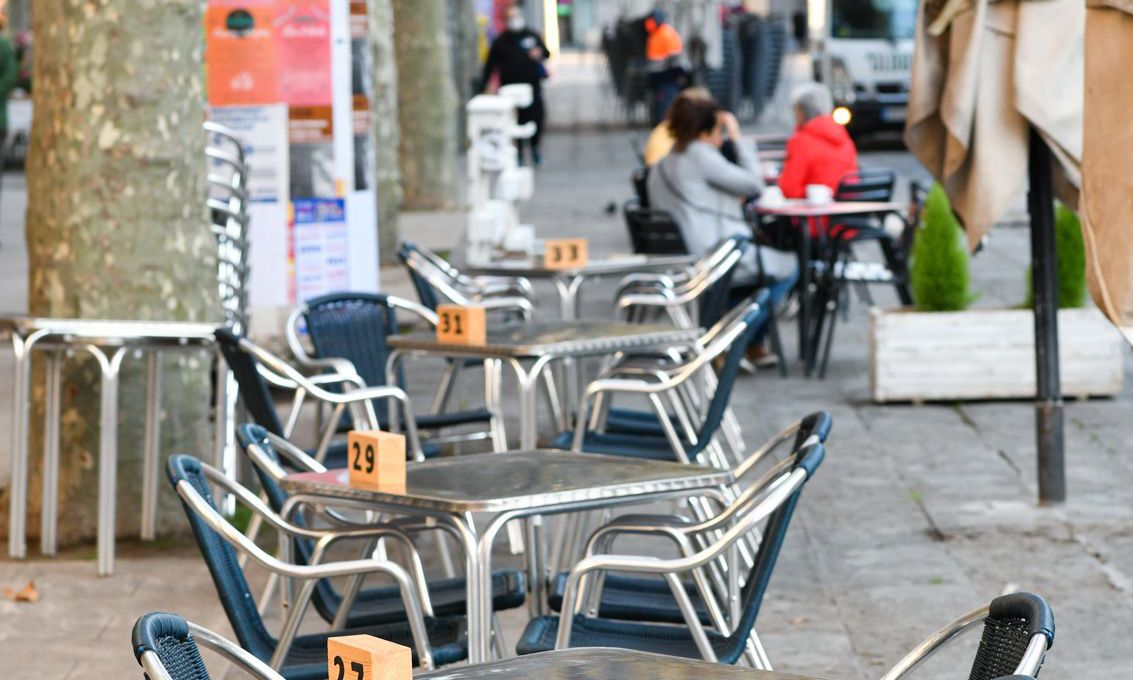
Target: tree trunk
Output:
[(116, 227), (387, 129), (427, 102)]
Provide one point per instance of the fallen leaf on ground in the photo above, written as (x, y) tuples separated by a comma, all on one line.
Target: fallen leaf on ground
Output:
[(28, 593), (799, 620)]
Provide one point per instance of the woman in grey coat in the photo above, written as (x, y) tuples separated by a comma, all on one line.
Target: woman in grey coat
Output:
[(704, 192)]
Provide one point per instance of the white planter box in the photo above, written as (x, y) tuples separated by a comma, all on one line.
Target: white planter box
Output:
[(987, 354)]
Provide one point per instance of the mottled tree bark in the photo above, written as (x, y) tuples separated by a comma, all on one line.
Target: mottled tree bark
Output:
[(387, 131), (116, 226), (427, 103)]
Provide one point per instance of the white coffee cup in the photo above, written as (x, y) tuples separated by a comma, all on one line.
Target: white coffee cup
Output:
[(819, 194)]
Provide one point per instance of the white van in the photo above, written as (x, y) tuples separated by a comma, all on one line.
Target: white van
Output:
[(863, 50)]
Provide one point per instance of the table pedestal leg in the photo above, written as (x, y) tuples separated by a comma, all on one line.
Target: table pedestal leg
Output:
[(226, 395), (49, 517), (18, 484), (151, 460), (107, 457)]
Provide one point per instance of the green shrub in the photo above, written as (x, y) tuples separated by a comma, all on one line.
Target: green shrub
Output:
[(1071, 251), (939, 267)]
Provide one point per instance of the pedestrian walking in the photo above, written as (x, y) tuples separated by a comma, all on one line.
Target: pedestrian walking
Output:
[(663, 50), (517, 57)]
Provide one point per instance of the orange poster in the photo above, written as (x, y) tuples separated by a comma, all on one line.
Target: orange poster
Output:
[(240, 53)]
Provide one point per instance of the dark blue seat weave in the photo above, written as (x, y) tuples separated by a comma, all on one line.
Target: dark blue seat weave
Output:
[(167, 636), (354, 326), (373, 606), (307, 658), (600, 632)]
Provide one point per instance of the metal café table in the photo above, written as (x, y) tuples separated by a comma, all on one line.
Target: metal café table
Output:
[(800, 209), (603, 663), (518, 485), (567, 282), (109, 342), (538, 344)]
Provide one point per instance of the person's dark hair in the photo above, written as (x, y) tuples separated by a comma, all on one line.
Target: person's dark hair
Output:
[(689, 118)]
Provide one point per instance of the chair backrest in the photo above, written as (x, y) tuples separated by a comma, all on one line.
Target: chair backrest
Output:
[(715, 301), (654, 232), (167, 636), (867, 185), (253, 388), (425, 291), (227, 574), (353, 326), (1012, 621), (753, 319), (808, 458), (325, 598)]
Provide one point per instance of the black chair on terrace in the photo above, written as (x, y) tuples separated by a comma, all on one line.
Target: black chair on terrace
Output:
[(654, 232)]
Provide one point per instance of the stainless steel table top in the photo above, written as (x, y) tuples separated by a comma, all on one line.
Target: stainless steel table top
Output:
[(608, 266), (521, 480), (112, 331), (535, 339), (601, 663)]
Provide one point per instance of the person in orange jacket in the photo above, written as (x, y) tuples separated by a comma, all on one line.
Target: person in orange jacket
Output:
[(820, 151), (663, 50)]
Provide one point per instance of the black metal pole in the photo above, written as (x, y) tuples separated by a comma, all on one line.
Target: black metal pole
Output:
[(1044, 279)]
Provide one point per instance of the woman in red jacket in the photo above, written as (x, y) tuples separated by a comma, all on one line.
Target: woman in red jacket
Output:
[(820, 151)]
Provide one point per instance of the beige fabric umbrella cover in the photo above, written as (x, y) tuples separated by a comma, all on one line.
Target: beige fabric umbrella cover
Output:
[(1107, 165), (983, 73)]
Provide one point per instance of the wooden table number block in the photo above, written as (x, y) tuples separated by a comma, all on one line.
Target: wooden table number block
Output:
[(565, 253), (376, 460), (365, 657), (458, 325)]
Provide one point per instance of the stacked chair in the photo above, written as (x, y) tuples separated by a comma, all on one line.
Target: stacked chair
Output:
[(228, 204)]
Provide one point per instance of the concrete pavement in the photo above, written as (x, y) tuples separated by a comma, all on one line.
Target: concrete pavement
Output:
[(919, 514)]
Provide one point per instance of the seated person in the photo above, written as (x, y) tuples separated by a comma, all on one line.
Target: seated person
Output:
[(704, 192), (820, 151)]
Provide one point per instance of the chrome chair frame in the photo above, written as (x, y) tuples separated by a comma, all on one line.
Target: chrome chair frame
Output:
[(1029, 665), (495, 431), (203, 637), (359, 399), (575, 596), (677, 300), (414, 594)]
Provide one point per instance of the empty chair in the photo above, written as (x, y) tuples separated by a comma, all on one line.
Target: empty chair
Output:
[(1018, 629), (437, 281), (637, 598), (371, 606), (689, 435), (354, 327), (294, 656), (729, 644), (654, 232), (254, 368), (166, 646)]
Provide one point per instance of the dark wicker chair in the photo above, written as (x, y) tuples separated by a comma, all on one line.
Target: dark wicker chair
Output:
[(1018, 629), (168, 644)]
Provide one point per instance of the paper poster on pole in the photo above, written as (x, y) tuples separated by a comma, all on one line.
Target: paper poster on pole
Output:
[(263, 129), (293, 78)]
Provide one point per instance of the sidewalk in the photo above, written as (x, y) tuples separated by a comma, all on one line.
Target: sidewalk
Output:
[(919, 514)]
